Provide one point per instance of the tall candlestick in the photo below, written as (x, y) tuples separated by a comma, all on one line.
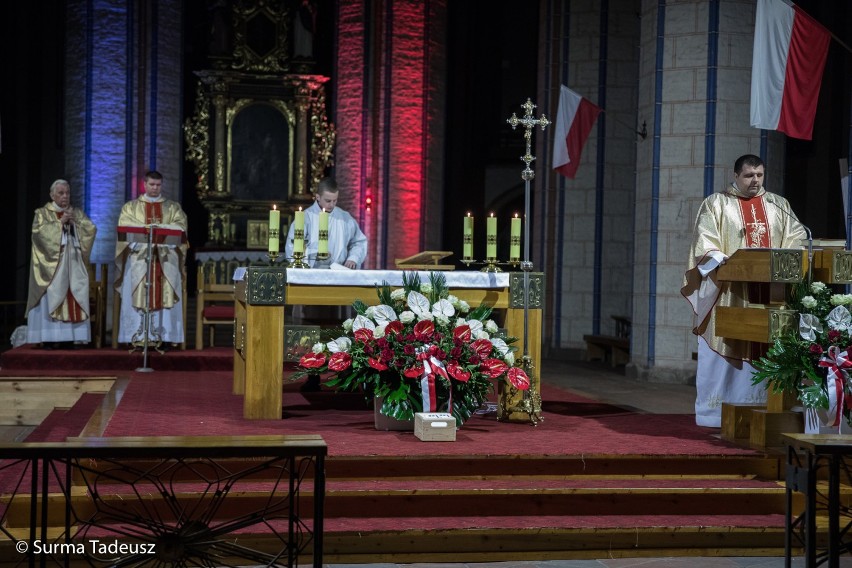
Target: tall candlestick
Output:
[(322, 244), (467, 247), (274, 226), (299, 231), (515, 240), (491, 237)]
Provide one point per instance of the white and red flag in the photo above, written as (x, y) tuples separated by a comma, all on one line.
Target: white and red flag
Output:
[(574, 121), (790, 49)]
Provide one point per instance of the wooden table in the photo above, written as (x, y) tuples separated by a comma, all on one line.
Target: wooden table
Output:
[(264, 291), (810, 456)]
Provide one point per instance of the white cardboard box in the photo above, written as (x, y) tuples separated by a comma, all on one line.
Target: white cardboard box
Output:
[(435, 427)]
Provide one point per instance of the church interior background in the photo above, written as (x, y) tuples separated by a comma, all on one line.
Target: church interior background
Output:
[(405, 102)]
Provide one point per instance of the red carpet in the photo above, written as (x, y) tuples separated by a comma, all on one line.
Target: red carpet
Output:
[(200, 404), (30, 359)]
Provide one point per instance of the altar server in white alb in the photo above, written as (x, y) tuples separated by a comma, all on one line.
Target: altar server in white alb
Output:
[(347, 245), (58, 303), (131, 259), (745, 215)]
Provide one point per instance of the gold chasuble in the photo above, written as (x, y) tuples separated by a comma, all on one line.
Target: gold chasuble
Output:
[(726, 222), (59, 267), (167, 262)]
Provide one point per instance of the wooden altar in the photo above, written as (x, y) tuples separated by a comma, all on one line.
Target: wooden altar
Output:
[(763, 319), (263, 293)]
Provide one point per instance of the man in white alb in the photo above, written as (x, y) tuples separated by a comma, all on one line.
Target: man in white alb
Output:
[(745, 215)]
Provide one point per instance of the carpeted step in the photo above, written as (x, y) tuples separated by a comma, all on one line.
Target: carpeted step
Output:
[(64, 423), (30, 359)]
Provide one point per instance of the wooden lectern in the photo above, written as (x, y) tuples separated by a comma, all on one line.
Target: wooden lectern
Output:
[(770, 273), (426, 260)]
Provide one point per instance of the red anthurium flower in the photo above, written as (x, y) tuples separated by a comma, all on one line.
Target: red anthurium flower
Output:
[(423, 330), (482, 347), (518, 378), (413, 372), (393, 328), (462, 333), (312, 360), (340, 361), (493, 367), (377, 364), (457, 372), (815, 348), (363, 335)]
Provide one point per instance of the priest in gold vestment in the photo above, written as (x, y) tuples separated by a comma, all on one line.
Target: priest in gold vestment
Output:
[(58, 302), (131, 259), (745, 215)]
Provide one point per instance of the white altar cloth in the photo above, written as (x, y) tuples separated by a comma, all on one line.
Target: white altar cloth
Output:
[(322, 277)]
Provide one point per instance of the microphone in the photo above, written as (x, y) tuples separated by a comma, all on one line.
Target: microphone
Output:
[(790, 214)]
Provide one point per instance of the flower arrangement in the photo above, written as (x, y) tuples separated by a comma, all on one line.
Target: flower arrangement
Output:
[(420, 349), (813, 361)]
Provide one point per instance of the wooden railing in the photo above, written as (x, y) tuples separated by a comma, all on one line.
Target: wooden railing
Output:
[(183, 501)]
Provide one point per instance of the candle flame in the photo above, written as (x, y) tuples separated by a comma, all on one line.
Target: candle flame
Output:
[(300, 208), (492, 213), (516, 215), (274, 207), (468, 213)]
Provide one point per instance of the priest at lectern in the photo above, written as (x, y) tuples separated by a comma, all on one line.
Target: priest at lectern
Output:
[(131, 259), (745, 215)]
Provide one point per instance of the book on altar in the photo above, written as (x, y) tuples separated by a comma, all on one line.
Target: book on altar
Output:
[(338, 266), (162, 235)]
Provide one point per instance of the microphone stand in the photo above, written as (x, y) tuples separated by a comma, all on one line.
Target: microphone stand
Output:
[(146, 318)]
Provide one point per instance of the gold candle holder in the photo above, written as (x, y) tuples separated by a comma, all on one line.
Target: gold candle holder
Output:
[(491, 265), (298, 261), (272, 256)]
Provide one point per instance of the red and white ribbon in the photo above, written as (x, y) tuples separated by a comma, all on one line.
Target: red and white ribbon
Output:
[(431, 366), (836, 361)]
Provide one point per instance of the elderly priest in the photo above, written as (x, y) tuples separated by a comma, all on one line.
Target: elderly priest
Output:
[(58, 303)]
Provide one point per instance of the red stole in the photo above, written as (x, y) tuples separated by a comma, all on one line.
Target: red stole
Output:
[(154, 214), (755, 223)]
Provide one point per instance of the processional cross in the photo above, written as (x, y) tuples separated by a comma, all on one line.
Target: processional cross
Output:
[(530, 404)]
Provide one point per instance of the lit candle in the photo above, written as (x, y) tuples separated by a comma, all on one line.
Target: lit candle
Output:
[(491, 237), (467, 248), (515, 241), (274, 226), (299, 231), (322, 245)]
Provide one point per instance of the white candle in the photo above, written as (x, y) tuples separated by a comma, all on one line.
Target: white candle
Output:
[(491, 237), (467, 248), (274, 226), (299, 231), (322, 244)]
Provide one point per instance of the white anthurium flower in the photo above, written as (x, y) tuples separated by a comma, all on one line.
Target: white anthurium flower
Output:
[(809, 302), (809, 326), (363, 322), (342, 343), (501, 346), (482, 334), (398, 294), (443, 308), (491, 327), (419, 304), (407, 317), (370, 313), (384, 314), (318, 347), (839, 319), (475, 326)]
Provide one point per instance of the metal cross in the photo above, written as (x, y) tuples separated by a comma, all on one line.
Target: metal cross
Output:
[(528, 122)]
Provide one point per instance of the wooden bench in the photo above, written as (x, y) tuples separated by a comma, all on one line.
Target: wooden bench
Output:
[(615, 348)]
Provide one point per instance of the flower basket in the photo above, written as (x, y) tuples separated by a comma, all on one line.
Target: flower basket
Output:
[(420, 349), (813, 361)]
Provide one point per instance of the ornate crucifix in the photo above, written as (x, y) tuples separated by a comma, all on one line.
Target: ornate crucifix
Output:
[(530, 404)]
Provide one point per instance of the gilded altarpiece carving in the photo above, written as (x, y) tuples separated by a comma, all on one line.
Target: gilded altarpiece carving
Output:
[(259, 134)]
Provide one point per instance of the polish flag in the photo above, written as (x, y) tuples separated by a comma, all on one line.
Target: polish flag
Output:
[(790, 49), (574, 121)]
